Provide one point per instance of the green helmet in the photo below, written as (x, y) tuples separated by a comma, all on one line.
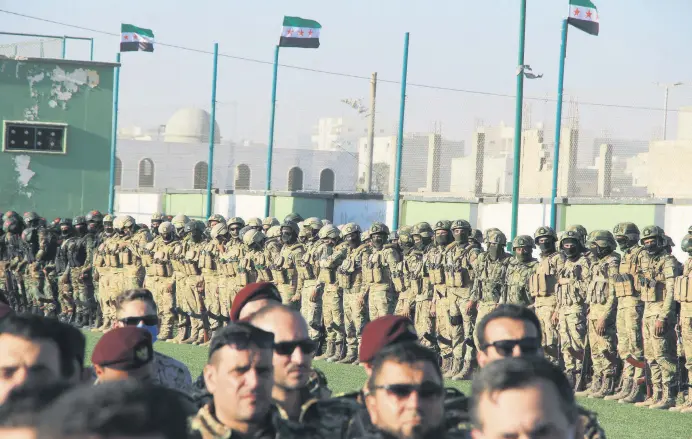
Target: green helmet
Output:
[(461, 224), (582, 231), (180, 220), (570, 234), (379, 228), (79, 220), (274, 232), (329, 231), (544, 231), (291, 225), (629, 230), (219, 229), (216, 217), (366, 235), (108, 219), (254, 222), (270, 221), (253, 236), (686, 244), (313, 223), (603, 238), (495, 236), (443, 225), (423, 229), (523, 241), (350, 228), (165, 228), (236, 220), (476, 235), (127, 221), (158, 216), (653, 232), (296, 218)]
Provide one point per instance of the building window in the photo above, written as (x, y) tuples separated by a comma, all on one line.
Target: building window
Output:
[(118, 172), (146, 173), (201, 175), (242, 177), (295, 179), (35, 137), (327, 180)]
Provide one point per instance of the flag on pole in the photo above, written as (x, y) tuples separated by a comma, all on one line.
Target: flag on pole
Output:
[(299, 32), (584, 16), (133, 38)]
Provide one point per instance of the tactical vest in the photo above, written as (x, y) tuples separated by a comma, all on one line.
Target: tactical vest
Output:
[(683, 284), (327, 274), (490, 277), (191, 256), (284, 268), (161, 261), (256, 261), (458, 269), (208, 256), (571, 293), (651, 277), (544, 281), (434, 262), (305, 266), (625, 284), (518, 275), (230, 260), (350, 271), (598, 290), (374, 269)]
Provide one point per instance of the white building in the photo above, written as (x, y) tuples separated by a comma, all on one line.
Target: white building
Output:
[(338, 134)]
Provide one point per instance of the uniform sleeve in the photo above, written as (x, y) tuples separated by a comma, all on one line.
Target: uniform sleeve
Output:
[(612, 273), (670, 271), (475, 289)]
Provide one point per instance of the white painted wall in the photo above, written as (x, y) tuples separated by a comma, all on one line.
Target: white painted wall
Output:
[(249, 206), (677, 220), (138, 205), (361, 212), (224, 205)]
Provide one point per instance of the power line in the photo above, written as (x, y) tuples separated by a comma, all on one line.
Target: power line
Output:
[(341, 74)]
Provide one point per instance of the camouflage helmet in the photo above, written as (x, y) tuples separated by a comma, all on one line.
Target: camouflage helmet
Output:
[(629, 230), (117, 223), (582, 231), (378, 228), (304, 232), (216, 217), (29, 217), (476, 235), (291, 225), (158, 216), (652, 232), (166, 228), (443, 225), (313, 223), (523, 241), (94, 217), (274, 232), (495, 236), (422, 229), (219, 229), (254, 222), (350, 228), (603, 238), (296, 218), (253, 236), (461, 224), (127, 221), (79, 220), (270, 221), (329, 231), (570, 234), (366, 235), (29, 234), (179, 221), (236, 220), (325, 222), (544, 231), (405, 234), (686, 243), (108, 218)]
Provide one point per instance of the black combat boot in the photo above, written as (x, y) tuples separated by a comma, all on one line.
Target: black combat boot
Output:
[(339, 352)]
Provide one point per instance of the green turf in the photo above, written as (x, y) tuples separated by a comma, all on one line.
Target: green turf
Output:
[(621, 421)]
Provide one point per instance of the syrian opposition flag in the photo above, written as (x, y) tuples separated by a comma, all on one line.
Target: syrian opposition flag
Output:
[(583, 15), (133, 38), (299, 32)]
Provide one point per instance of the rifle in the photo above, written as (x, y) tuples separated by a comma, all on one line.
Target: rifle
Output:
[(641, 364), (585, 365), (204, 313), (683, 379)]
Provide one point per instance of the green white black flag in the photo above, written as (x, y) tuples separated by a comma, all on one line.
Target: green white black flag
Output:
[(299, 32), (584, 16), (133, 38)]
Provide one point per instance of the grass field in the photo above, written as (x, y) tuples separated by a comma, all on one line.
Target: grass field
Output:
[(621, 421)]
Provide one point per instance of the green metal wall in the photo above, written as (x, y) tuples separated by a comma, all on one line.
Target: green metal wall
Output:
[(606, 216), (78, 94), (307, 207), (192, 205), (416, 211)]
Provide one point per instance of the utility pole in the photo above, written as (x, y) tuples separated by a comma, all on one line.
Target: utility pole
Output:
[(371, 134), (667, 88)]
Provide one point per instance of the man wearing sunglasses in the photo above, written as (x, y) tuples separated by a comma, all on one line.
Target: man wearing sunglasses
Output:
[(292, 358), (137, 308)]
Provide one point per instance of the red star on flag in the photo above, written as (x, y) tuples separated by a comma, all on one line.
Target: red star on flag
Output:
[(310, 33), (289, 32), (125, 37), (135, 36), (301, 33), (588, 14), (577, 12)]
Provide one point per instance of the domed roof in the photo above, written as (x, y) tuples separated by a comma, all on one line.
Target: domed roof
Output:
[(190, 125)]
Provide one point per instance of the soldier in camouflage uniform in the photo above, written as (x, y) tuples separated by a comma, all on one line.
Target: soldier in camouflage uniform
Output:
[(156, 219), (254, 267), (94, 238), (329, 256), (190, 294), (230, 259), (572, 281), (284, 265), (157, 257), (47, 248), (310, 289), (103, 264), (656, 272), (519, 270), (86, 303), (381, 275), (268, 223), (600, 297), (12, 226), (542, 287), (459, 276), (207, 255), (490, 269), (62, 264), (131, 240), (404, 244), (683, 294), (435, 268), (272, 246), (421, 291), (629, 313), (34, 276), (350, 279)]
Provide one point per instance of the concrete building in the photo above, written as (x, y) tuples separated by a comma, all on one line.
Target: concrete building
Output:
[(338, 134), (668, 162)]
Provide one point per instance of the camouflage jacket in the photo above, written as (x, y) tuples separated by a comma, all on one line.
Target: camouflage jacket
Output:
[(601, 289), (656, 279), (413, 270), (351, 269), (517, 279), (573, 279), (489, 285), (459, 261), (329, 258)]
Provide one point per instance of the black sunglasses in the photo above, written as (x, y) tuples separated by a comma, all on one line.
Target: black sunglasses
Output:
[(528, 345), (287, 347), (425, 390), (234, 229), (147, 320)]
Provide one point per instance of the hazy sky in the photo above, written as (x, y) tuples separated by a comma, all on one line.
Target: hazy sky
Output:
[(469, 45)]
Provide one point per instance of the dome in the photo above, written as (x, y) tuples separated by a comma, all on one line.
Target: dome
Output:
[(190, 125)]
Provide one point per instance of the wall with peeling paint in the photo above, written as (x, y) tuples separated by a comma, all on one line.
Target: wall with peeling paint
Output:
[(79, 94)]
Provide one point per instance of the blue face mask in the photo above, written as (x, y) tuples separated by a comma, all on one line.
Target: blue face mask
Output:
[(153, 330)]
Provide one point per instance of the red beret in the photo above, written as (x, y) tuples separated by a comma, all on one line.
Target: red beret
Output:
[(250, 292), (124, 348), (382, 332)]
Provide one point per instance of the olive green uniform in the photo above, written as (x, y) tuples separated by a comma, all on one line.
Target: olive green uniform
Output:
[(350, 277), (572, 282), (542, 287), (489, 285)]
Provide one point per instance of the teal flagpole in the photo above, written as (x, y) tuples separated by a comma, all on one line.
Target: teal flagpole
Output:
[(558, 126), (270, 145), (400, 136), (212, 131), (114, 137)]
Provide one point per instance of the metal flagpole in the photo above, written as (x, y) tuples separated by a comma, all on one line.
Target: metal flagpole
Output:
[(558, 126), (517, 124), (114, 136), (400, 136), (212, 123), (270, 146)]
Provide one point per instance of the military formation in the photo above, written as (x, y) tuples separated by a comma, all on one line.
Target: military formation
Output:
[(618, 323)]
